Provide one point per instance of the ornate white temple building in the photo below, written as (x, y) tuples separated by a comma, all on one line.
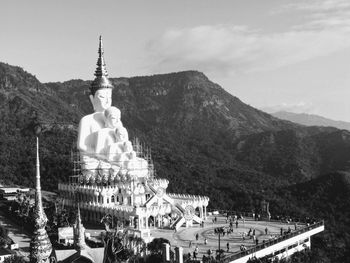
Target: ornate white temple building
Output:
[(116, 178)]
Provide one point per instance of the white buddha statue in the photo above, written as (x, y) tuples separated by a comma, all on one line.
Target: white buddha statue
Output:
[(102, 139), (101, 99), (89, 126)]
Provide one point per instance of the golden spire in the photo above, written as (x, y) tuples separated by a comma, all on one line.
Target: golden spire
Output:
[(101, 76), (40, 245)]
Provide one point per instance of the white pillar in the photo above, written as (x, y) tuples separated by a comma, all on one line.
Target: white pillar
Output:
[(179, 255), (166, 252)]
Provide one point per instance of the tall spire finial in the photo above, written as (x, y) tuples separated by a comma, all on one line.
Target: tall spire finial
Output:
[(79, 232), (101, 65), (101, 76), (40, 245)]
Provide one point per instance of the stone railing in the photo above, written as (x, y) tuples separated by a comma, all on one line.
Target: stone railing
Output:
[(186, 196), (272, 242)]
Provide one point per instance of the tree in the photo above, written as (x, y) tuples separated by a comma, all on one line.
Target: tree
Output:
[(119, 247), (14, 259), (155, 248)]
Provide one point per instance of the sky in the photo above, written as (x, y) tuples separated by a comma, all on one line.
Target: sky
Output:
[(274, 54)]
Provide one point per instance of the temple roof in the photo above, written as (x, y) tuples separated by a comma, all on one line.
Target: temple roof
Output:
[(94, 255)]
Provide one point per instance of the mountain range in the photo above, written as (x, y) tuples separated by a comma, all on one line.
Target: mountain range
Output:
[(311, 120), (203, 139)]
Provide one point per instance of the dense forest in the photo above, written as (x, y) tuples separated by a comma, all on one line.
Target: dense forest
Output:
[(203, 139)]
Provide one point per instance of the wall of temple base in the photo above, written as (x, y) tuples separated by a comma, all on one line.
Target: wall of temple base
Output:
[(153, 208)]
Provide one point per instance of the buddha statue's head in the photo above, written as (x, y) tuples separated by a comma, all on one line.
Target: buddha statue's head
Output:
[(101, 99), (101, 87)]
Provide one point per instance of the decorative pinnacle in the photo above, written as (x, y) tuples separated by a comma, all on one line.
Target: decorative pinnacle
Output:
[(101, 65), (40, 215), (40, 245), (101, 80), (79, 232)]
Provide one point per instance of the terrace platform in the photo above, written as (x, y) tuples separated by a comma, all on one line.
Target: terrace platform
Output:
[(270, 243)]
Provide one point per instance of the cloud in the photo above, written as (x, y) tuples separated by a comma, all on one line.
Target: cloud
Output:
[(316, 5), (227, 50)]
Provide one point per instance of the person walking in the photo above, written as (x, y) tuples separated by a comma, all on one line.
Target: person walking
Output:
[(197, 237), (228, 246)]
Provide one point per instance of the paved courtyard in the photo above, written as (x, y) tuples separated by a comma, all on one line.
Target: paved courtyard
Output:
[(186, 237)]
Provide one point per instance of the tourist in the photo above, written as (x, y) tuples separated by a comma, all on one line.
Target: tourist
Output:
[(257, 241), (241, 247), (266, 230), (254, 232), (196, 251), (190, 244), (228, 246), (205, 241), (197, 237), (216, 219), (281, 231), (236, 223)]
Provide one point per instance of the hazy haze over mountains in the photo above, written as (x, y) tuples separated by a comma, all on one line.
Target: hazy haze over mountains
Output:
[(310, 119)]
